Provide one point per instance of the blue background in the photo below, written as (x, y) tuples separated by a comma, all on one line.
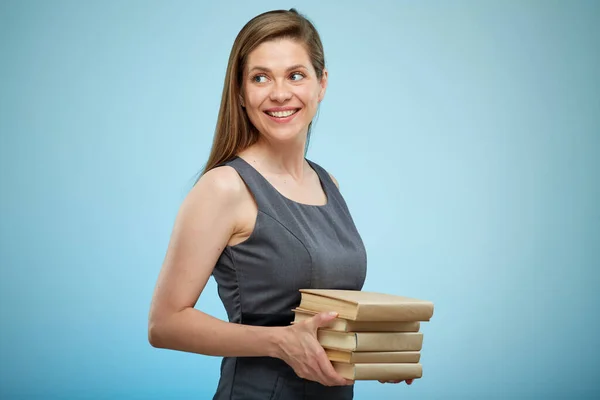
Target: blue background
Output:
[(465, 136)]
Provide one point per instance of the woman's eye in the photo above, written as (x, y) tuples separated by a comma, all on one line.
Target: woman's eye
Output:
[(296, 76), (259, 79)]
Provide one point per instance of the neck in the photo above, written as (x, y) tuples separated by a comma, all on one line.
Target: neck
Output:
[(277, 158)]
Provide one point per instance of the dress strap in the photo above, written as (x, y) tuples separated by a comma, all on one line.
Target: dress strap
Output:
[(260, 188)]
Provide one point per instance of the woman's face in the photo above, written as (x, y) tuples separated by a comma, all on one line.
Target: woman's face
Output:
[(280, 89)]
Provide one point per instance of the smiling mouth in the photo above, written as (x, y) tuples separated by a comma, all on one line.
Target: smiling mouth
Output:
[(282, 114)]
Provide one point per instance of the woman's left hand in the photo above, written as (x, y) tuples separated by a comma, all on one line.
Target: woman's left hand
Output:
[(408, 381)]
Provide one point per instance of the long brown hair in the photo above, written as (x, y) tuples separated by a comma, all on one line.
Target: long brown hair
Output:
[(234, 131)]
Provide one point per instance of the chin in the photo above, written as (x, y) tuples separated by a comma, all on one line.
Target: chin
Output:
[(285, 134)]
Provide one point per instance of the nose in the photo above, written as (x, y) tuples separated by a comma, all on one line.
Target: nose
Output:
[(280, 92)]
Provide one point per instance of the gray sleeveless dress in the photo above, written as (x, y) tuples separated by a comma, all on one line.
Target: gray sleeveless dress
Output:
[(293, 246)]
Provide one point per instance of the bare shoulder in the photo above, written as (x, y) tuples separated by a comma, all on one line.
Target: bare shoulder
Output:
[(212, 207), (222, 201), (216, 193), (222, 184)]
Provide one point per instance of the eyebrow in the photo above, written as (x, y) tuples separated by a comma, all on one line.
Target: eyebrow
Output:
[(265, 69)]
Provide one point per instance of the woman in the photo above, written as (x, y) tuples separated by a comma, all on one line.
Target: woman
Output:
[(265, 222)]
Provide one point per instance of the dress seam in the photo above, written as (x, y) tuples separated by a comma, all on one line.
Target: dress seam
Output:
[(294, 235), (239, 297)]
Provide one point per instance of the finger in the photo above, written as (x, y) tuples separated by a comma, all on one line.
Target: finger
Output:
[(333, 377), (314, 373), (322, 319), (317, 374)]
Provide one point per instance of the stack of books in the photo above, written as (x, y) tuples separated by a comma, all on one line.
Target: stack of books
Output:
[(376, 336)]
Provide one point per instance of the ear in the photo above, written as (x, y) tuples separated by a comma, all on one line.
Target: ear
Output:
[(242, 101), (323, 83)]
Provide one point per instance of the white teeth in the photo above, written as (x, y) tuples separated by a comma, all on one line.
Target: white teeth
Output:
[(281, 114)]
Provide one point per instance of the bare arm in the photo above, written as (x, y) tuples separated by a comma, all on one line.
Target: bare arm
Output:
[(205, 223)]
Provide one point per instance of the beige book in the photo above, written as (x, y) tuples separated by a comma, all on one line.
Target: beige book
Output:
[(384, 372), (357, 305), (344, 325), (375, 357), (370, 341)]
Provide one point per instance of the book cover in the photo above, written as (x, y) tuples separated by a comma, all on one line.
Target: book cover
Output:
[(358, 305)]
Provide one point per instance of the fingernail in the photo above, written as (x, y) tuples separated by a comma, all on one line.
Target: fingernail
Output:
[(333, 313)]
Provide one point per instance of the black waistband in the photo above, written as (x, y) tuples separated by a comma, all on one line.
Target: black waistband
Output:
[(283, 319)]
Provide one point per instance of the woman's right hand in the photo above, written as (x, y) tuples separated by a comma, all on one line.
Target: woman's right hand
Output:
[(300, 349)]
